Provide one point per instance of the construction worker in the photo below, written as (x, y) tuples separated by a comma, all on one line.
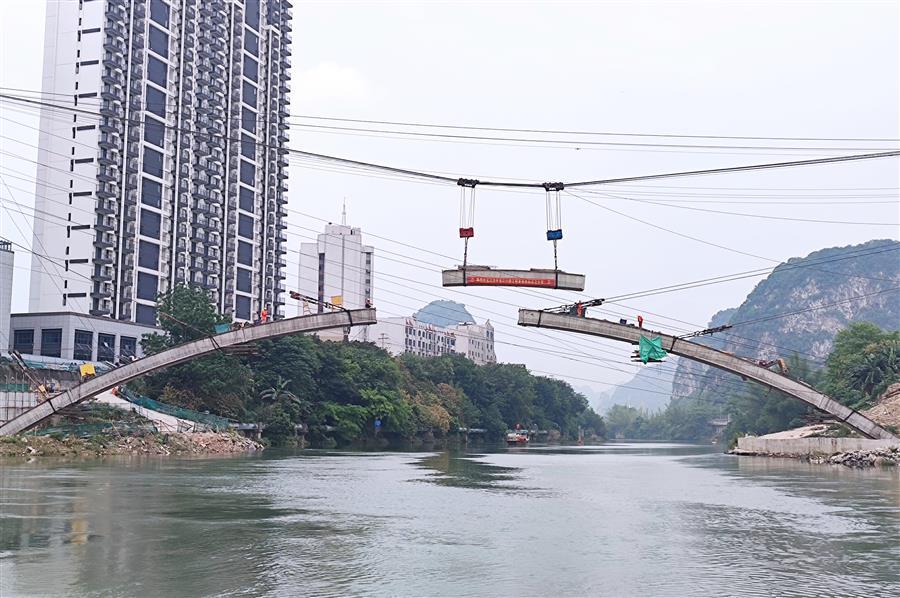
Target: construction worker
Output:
[(264, 316), (640, 321)]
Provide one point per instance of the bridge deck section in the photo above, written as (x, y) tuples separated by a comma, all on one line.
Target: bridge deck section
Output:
[(182, 353), (713, 357)]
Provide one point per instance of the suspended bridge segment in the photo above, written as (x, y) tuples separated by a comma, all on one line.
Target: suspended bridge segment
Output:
[(183, 353), (703, 354), (484, 276)]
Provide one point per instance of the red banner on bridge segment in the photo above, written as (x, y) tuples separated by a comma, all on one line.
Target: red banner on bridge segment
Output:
[(511, 281)]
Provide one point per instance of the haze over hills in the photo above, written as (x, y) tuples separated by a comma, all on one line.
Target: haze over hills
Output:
[(823, 292)]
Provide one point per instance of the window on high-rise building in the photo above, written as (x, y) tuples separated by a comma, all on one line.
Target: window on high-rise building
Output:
[(154, 131), (156, 99), (244, 283), (150, 224), (248, 173), (153, 162), (251, 68), (249, 93), (159, 12), (145, 314), (245, 226), (159, 41), (151, 192), (246, 199), (251, 13), (251, 42), (157, 71), (245, 253), (248, 120), (51, 342), (147, 286), (242, 307), (248, 146), (148, 255)]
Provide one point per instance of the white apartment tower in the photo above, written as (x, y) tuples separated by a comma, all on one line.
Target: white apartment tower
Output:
[(7, 261), (162, 155), (338, 265)]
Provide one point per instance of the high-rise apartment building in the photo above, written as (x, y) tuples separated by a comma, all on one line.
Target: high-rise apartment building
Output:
[(339, 269), (163, 159)]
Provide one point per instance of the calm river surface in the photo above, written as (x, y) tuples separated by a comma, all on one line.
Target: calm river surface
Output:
[(622, 520)]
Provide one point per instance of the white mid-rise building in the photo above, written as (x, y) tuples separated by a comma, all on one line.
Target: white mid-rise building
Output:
[(162, 156), (409, 335), (7, 257), (338, 268)]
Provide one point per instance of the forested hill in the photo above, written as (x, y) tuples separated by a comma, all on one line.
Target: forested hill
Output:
[(824, 292)]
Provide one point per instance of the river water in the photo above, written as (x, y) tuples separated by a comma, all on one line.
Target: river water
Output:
[(621, 520)]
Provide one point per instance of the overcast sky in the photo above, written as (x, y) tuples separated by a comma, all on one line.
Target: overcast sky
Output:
[(762, 69)]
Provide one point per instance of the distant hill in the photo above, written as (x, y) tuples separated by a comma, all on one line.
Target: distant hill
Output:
[(444, 313), (650, 389), (846, 284), (822, 278)]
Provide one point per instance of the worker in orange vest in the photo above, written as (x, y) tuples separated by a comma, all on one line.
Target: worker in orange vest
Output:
[(263, 316)]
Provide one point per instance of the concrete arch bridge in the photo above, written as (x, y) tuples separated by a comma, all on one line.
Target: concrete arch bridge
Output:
[(183, 353), (704, 354)]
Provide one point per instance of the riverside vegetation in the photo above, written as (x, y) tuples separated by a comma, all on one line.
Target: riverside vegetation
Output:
[(848, 349), (338, 390), (864, 362)]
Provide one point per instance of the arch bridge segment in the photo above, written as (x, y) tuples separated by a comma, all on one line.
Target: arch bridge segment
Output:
[(183, 353), (709, 356)]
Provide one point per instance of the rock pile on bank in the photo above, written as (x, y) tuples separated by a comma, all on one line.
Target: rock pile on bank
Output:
[(870, 458), (200, 443)]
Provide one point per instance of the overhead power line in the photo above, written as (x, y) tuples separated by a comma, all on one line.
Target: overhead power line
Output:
[(457, 127), (493, 183)]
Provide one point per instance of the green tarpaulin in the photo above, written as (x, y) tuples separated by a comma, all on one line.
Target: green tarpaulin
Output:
[(651, 349)]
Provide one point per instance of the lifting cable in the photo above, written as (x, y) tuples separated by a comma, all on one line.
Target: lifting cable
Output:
[(554, 219), (466, 216)]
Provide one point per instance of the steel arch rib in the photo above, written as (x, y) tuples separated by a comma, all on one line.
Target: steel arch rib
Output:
[(182, 353), (704, 354)]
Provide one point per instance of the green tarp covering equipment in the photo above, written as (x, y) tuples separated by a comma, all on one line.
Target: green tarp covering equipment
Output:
[(651, 349)]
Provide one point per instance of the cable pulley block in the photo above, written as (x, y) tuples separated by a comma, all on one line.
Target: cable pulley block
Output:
[(467, 182)]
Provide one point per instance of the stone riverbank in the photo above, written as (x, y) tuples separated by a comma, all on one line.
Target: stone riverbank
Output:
[(197, 443)]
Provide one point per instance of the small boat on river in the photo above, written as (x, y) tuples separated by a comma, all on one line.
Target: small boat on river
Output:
[(517, 438)]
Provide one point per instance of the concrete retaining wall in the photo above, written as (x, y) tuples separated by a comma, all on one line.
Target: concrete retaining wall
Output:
[(809, 446), (14, 404)]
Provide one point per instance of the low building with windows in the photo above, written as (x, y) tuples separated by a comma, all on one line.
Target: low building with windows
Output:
[(441, 328), (77, 337)]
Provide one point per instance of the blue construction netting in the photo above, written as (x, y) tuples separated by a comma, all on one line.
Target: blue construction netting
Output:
[(215, 422)]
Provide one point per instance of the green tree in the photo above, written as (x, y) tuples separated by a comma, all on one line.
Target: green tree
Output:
[(865, 360), (185, 314), (218, 383)]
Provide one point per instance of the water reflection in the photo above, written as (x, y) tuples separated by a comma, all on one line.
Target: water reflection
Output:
[(461, 470)]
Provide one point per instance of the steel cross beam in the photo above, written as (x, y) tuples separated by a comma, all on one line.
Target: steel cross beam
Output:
[(704, 354), (182, 353)]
